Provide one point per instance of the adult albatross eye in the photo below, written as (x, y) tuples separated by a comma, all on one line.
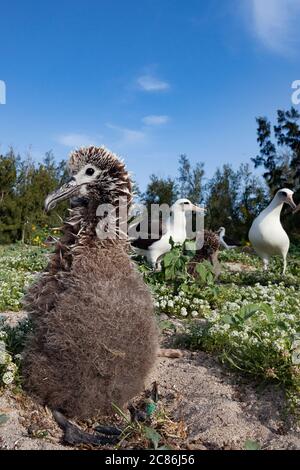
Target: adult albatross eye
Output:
[(89, 171)]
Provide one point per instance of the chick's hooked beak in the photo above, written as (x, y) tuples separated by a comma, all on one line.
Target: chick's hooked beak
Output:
[(61, 194)]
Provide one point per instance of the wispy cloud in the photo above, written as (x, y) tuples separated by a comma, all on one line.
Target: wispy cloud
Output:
[(155, 120), (151, 83), (128, 136), (77, 140), (276, 23)]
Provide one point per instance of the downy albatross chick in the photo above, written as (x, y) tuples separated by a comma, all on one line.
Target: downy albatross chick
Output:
[(94, 335), (267, 235)]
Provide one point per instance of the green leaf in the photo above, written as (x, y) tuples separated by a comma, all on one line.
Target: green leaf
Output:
[(3, 419), (252, 445), (150, 408), (168, 259), (227, 319), (153, 436), (185, 288), (267, 309), (202, 271), (210, 278), (249, 310)]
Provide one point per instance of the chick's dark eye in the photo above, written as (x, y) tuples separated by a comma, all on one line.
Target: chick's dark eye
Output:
[(283, 193), (89, 171)]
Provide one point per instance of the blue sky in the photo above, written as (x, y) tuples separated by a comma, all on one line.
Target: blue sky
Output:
[(150, 79)]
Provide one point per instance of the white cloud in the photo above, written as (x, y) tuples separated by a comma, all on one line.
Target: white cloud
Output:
[(155, 120), (150, 83), (77, 140), (276, 23), (128, 136)]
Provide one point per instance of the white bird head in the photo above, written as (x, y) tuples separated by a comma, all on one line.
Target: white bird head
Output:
[(186, 205), (221, 231), (285, 195)]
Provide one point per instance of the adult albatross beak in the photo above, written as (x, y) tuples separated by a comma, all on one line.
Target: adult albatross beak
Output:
[(61, 194), (195, 208), (290, 201)]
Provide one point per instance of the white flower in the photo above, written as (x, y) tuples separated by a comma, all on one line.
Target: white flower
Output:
[(3, 357), (8, 378), (234, 334), (279, 345), (11, 367), (183, 312), (290, 317), (195, 313)]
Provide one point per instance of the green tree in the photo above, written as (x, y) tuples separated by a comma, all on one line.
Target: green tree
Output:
[(23, 188), (280, 156), (222, 199), (9, 207), (280, 150), (287, 133), (160, 191), (252, 199), (35, 183), (190, 180), (234, 199)]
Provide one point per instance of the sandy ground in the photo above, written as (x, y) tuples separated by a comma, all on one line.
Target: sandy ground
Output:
[(26, 420), (239, 267), (219, 409)]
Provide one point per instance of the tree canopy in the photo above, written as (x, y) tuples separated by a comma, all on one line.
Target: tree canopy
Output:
[(23, 188)]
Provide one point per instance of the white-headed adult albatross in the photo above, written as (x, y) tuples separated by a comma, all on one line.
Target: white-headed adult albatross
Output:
[(175, 226), (267, 235)]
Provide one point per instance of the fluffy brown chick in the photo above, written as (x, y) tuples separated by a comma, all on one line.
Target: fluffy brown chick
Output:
[(94, 336), (209, 252)]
